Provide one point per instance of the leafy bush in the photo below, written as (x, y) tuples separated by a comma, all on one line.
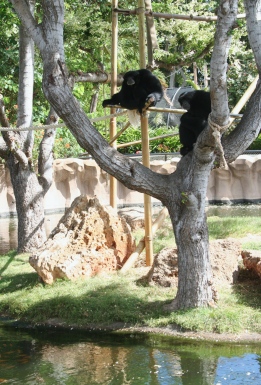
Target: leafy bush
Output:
[(171, 144), (65, 145)]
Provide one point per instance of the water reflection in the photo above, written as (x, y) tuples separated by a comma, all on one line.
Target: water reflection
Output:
[(8, 231), (234, 211), (65, 358), (239, 370)]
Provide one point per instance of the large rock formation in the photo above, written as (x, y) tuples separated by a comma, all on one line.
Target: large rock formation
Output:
[(252, 261), (89, 239)]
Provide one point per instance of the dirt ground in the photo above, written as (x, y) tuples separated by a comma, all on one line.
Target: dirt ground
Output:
[(225, 257)]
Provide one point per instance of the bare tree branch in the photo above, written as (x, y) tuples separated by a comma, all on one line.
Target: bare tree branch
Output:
[(23, 10), (227, 15), (3, 118), (45, 158), (250, 125), (10, 138), (3, 149), (210, 138)]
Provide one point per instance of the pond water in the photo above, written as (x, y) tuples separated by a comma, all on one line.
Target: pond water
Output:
[(8, 226), (68, 358)]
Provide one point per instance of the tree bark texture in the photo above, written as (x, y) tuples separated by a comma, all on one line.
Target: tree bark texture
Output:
[(28, 193), (182, 192), (250, 125), (29, 189)]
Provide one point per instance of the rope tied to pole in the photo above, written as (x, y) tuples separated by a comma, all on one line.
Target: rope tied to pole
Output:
[(217, 132)]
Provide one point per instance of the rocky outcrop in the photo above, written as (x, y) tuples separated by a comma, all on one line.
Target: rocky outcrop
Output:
[(224, 256), (89, 239), (252, 261), (134, 216)]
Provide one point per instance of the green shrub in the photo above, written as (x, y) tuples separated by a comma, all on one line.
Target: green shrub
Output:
[(171, 144)]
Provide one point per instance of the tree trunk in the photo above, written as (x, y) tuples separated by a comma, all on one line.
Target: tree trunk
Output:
[(187, 213), (29, 206), (28, 193), (29, 190)]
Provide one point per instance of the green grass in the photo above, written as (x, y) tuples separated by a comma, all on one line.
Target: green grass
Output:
[(219, 228), (115, 298), (236, 227), (98, 300)]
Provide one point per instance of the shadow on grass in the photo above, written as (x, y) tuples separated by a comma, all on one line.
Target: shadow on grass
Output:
[(248, 289), (93, 301), (103, 305), (10, 257), (18, 282)]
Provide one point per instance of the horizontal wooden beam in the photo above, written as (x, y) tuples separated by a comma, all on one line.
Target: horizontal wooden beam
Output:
[(129, 12)]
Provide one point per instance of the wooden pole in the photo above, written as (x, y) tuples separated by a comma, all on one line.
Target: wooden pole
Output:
[(141, 245), (153, 109), (242, 101), (195, 72), (145, 139), (113, 121), (127, 125), (205, 71), (128, 12)]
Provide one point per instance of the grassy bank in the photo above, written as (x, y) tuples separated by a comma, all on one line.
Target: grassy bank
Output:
[(114, 298)]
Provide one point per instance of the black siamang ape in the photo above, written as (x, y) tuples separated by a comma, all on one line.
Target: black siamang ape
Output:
[(138, 88), (193, 122)]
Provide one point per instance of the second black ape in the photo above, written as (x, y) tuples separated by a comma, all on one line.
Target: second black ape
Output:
[(192, 123), (138, 88)]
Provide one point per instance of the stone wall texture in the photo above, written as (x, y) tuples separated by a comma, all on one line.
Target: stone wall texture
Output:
[(241, 182)]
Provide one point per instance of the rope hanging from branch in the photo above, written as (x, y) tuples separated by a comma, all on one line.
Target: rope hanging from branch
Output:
[(217, 132)]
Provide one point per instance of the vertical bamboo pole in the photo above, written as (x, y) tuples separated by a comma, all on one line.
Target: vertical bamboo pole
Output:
[(205, 70), (145, 140), (195, 72), (242, 101), (113, 126)]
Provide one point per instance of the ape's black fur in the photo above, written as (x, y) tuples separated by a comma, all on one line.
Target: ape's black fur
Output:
[(193, 122), (137, 89)]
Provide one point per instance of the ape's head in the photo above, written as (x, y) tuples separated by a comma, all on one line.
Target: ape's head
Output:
[(131, 78), (185, 99), (197, 101)]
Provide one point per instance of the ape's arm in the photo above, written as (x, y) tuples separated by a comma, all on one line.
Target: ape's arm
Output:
[(114, 101)]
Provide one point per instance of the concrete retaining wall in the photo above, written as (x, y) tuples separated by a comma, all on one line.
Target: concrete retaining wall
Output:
[(241, 183)]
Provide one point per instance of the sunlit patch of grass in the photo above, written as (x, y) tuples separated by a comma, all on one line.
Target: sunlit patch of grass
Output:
[(219, 228), (236, 227), (230, 315), (251, 245)]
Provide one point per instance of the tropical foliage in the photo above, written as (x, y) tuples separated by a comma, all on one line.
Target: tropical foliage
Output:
[(88, 46), (87, 36)]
